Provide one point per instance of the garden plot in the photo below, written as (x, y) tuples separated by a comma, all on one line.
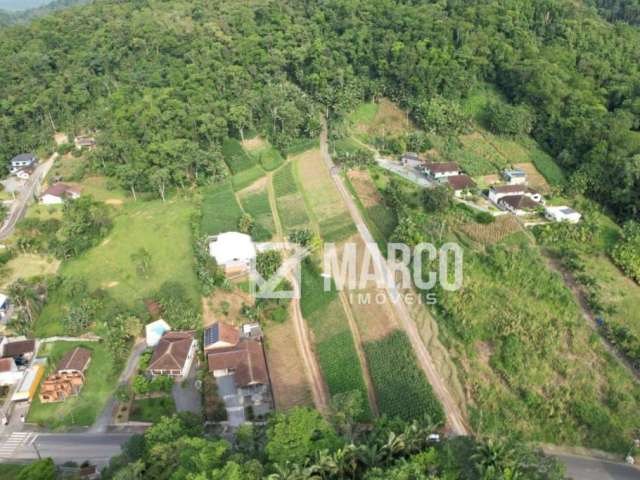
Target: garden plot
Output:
[(291, 208), (491, 233), (265, 154), (255, 202), (220, 210), (534, 178), (322, 197)]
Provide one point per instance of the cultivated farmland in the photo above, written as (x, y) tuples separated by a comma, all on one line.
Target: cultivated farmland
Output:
[(291, 208), (255, 201)]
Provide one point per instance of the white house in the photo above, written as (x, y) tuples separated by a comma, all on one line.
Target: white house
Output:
[(23, 160), (57, 194), (500, 191), (562, 214), (518, 204), (155, 330), (233, 251), (515, 176), (441, 170)]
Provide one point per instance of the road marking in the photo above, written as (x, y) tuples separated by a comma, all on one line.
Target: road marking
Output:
[(14, 441)]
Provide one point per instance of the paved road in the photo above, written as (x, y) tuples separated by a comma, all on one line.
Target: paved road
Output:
[(19, 206), (586, 468), (455, 419), (63, 447)]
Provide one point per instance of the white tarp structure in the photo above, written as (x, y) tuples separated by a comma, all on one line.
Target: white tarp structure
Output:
[(155, 330), (562, 214), (232, 250)]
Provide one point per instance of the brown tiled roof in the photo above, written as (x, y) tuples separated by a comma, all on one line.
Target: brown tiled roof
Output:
[(246, 359), (13, 349), (172, 351), (509, 188), (519, 202), (460, 182), (60, 189), (221, 332), (5, 364), (442, 167), (76, 359)]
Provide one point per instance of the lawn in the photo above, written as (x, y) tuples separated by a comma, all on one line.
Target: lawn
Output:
[(220, 210), (152, 409), (364, 114), (28, 265), (236, 158), (332, 336), (162, 229), (401, 387), (82, 410), (291, 207)]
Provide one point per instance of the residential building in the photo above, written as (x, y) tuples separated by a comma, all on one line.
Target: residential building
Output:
[(75, 361), (155, 330), (496, 192), (441, 170), (518, 204), (83, 141), (237, 360), (174, 354), (460, 183), (20, 350), (562, 214), (57, 193), (23, 160), (233, 251), (515, 176)]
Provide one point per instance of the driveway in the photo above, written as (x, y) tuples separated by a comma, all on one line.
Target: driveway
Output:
[(227, 391), (187, 397)]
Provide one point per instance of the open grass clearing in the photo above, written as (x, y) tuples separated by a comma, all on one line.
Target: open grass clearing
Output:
[(246, 177), (101, 379), (255, 143), (266, 155), (152, 409), (384, 118), (255, 202), (27, 265), (220, 209)]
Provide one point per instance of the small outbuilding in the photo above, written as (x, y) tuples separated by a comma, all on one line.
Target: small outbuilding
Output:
[(460, 183), (515, 176), (155, 330), (562, 214), (233, 251)]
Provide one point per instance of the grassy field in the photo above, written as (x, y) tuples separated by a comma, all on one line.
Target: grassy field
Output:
[(236, 158), (83, 409), (401, 387), (267, 156), (28, 265), (332, 337), (246, 177), (152, 409), (291, 208), (220, 210), (160, 228), (323, 199), (255, 201)]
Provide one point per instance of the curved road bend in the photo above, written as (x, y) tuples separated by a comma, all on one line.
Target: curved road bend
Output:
[(19, 207), (455, 419)]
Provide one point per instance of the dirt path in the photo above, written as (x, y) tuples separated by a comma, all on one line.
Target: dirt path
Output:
[(357, 340), (455, 419)]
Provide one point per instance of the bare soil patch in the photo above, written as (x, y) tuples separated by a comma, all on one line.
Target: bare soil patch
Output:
[(113, 201), (534, 178), (491, 233), (60, 138), (255, 143), (491, 179), (367, 192), (286, 368), (256, 186), (224, 306)]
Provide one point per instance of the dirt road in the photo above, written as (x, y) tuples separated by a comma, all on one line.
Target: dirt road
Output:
[(455, 419), (19, 207)]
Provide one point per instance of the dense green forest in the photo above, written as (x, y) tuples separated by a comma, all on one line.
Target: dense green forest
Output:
[(166, 82)]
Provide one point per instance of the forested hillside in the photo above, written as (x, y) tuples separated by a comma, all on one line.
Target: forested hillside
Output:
[(166, 82)]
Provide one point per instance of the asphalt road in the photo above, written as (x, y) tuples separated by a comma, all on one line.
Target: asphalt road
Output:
[(19, 206), (586, 468)]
